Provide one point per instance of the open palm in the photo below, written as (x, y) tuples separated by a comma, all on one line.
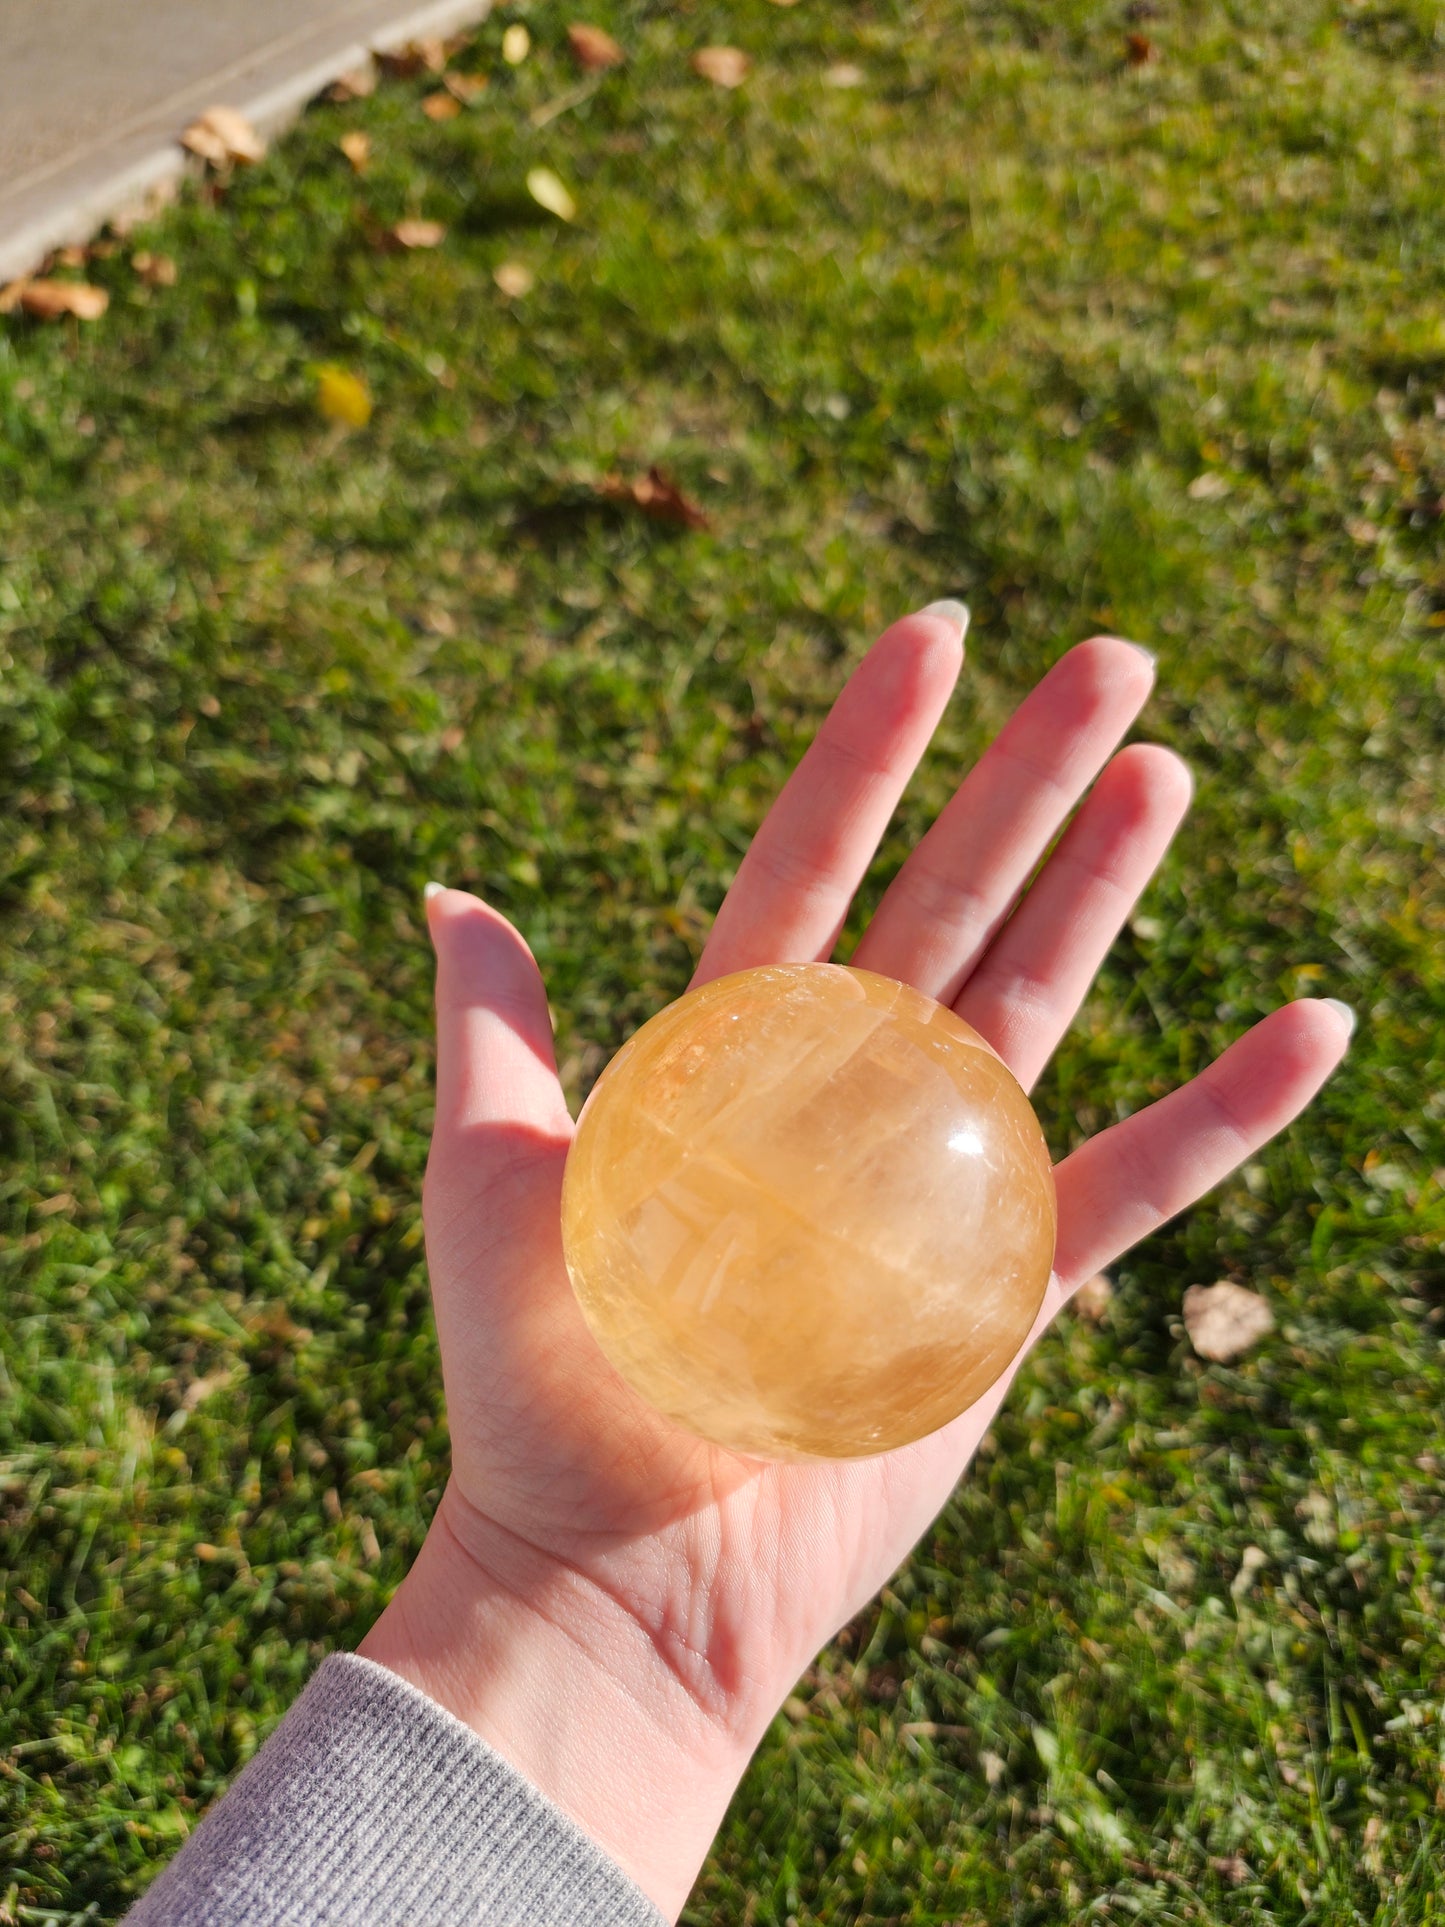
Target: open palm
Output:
[(566, 1488)]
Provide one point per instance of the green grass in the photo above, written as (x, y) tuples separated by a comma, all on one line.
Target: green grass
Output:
[(976, 326)]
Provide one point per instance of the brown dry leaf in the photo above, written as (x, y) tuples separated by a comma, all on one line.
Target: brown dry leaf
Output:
[(1224, 1320), (1093, 1297), (441, 105), (419, 234), (593, 49), (466, 87), (200, 1389), (1231, 1868), (356, 146), (221, 136), (355, 84), (723, 66), (657, 495), (273, 1320), (156, 270), (11, 292), (415, 57), (515, 279), (49, 300), (1139, 49), (71, 257)]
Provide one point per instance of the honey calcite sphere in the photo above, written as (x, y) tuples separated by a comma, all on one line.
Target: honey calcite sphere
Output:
[(808, 1213)]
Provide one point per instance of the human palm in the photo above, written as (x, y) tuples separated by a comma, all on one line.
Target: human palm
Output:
[(567, 1489)]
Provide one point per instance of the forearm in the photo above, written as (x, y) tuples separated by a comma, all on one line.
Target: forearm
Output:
[(567, 1686)]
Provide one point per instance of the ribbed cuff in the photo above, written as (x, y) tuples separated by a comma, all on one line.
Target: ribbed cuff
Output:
[(372, 1806)]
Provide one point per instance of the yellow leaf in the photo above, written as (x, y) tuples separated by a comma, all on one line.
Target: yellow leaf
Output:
[(516, 44), (514, 279), (356, 146), (548, 192), (343, 397)]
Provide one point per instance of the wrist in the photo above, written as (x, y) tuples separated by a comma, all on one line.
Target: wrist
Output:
[(568, 1686)]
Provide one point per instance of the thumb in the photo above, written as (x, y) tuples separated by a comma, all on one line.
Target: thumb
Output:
[(495, 1063)]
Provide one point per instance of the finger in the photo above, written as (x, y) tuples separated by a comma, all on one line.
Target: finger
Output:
[(1132, 1178), (495, 1062), (792, 891), (1038, 970), (953, 893)]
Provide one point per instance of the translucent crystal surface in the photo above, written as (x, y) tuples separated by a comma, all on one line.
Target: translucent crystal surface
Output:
[(808, 1212)]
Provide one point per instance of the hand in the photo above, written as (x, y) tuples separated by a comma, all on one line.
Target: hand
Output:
[(615, 1606)]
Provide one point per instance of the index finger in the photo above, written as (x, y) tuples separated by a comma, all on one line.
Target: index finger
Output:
[(791, 894)]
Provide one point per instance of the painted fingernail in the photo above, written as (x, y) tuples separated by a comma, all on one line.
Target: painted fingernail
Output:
[(432, 890), (1336, 1003), (950, 611)]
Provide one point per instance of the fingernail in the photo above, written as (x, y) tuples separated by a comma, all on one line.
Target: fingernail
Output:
[(950, 611), (1139, 649), (432, 890), (1336, 1003)]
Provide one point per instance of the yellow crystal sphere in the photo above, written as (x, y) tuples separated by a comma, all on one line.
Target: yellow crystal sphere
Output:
[(808, 1213)]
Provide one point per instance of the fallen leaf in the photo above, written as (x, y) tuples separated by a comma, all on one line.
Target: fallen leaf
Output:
[(1231, 1868), (221, 136), (549, 192), (275, 1321), (724, 66), (366, 1536), (466, 87), (1252, 1563), (356, 146), (441, 105), (657, 495), (1139, 49), (11, 292), (200, 1389), (72, 257), (428, 55), (418, 234), (1093, 1297), (1364, 532), (156, 270), (514, 279), (593, 49), (1224, 1320), (1208, 487), (343, 397), (355, 84), (516, 44), (49, 300), (845, 74)]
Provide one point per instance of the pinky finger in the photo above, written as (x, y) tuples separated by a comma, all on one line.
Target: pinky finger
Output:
[(1127, 1181)]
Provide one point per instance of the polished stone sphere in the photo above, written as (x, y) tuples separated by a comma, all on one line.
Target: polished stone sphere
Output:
[(808, 1213)]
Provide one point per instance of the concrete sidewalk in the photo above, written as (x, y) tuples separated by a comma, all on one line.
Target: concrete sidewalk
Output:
[(94, 92)]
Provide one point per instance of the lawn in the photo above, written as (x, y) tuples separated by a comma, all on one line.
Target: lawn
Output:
[(947, 298)]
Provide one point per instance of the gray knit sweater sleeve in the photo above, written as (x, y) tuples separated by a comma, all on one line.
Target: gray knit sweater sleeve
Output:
[(371, 1806)]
